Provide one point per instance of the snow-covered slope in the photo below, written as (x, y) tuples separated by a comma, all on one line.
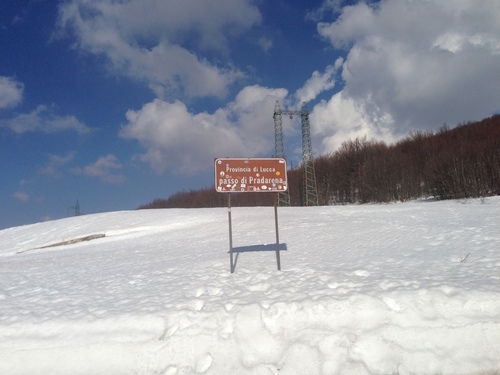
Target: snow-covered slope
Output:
[(375, 289)]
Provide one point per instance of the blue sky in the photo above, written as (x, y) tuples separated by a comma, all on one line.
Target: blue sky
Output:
[(117, 103)]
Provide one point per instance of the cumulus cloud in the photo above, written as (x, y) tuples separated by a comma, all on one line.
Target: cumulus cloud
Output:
[(351, 120), (188, 142), (412, 65), (11, 92), (156, 41), (104, 168), (318, 83), (44, 119), (55, 163), (21, 196)]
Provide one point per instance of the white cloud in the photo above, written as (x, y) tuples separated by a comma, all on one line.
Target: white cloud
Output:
[(413, 65), (44, 119), (318, 83), (11, 92), (21, 196), (104, 168), (55, 163), (351, 120), (455, 42), (265, 44), (329, 7), (185, 142), (156, 41)]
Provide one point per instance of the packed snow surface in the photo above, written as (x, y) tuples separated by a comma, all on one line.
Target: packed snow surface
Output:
[(408, 288)]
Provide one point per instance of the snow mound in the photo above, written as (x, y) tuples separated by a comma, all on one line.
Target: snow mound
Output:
[(374, 289)]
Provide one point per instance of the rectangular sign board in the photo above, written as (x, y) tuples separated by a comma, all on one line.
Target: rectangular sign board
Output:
[(243, 175)]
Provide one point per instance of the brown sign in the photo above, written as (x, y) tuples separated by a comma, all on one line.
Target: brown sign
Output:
[(250, 175)]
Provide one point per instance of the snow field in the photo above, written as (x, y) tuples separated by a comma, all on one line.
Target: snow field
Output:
[(375, 289)]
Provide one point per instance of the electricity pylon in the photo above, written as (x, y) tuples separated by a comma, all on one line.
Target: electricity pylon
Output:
[(76, 208), (310, 188), (309, 177)]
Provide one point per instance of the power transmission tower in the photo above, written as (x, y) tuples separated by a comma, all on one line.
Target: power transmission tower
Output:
[(76, 207), (310, 188), (279, 150), (309, 177)]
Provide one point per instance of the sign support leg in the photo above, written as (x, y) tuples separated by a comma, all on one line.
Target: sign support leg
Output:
[(230, 233), (278, 262)]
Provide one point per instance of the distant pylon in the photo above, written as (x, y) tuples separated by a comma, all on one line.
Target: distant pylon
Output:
[(76, 207), (279, 150), (309, 179)]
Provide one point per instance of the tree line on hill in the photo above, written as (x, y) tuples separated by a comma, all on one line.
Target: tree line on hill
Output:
[(463, 162)]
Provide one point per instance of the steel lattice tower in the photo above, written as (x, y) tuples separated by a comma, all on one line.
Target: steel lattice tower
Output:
[(279, 150), (310, 188), (309, 177)]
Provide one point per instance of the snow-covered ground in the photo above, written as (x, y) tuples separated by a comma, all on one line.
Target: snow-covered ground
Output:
[(372, 289)]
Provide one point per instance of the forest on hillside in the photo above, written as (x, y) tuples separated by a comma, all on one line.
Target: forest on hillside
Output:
[(463, 162)]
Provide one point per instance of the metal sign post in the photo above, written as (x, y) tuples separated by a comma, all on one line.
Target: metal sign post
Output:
[(230, 232), (239, 175), (278, 261)]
